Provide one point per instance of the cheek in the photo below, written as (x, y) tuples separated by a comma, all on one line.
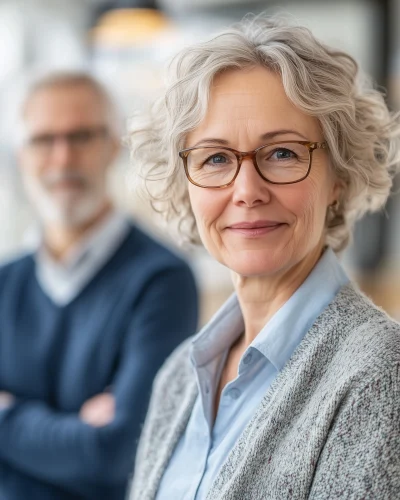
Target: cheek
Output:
[(308, 205), (201, 208), (207, 206), (93, 168)]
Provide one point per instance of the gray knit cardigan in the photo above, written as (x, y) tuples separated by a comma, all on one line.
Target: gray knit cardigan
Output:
[(327, 428)]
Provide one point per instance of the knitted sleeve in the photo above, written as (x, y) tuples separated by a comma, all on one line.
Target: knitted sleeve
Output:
[(361, 456)]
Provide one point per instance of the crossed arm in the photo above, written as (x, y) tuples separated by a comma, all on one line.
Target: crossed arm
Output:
[(97, 445), (96, 411)]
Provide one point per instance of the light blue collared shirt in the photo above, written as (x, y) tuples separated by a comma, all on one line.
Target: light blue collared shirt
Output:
[(63, 281), (205, 444)]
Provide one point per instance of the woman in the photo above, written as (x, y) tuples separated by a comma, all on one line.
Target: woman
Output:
[(292, 390)]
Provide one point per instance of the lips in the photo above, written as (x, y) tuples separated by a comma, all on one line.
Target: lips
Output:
[(255, 224), (65, 186), (255, 229)]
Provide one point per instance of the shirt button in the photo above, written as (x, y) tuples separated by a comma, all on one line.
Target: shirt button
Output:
[(234, 393), (247, 359)]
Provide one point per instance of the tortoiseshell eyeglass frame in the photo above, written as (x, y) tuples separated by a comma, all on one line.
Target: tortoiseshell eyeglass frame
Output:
[(241, 155)]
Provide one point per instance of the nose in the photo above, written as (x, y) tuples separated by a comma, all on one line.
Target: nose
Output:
[(249, 189), (61, 153)]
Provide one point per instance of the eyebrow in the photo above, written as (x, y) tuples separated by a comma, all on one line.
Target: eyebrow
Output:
[(263, 137)]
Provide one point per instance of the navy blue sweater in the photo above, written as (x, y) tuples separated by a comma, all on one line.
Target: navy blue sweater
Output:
[(116, 333)]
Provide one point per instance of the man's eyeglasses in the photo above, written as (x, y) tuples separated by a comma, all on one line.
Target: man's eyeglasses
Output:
[(77, 139), (285, 162)]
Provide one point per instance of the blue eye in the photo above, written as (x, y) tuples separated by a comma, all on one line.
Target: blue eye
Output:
[(216, 159), (284, 154), (212, 159)]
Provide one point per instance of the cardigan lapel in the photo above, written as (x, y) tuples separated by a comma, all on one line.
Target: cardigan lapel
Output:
[(178, 415)]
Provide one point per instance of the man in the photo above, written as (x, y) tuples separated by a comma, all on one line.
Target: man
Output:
[(87, 320)]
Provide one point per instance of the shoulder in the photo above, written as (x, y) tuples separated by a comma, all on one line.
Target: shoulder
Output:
[(22, 263), (368, 324), (367, 339), (352, 311), (16, 273), (143, 246)]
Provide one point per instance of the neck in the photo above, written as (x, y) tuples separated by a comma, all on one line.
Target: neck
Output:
[(59, 239), (260, 297)]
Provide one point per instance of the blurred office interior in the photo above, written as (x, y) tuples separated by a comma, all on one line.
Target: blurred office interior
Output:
[(126, 43)]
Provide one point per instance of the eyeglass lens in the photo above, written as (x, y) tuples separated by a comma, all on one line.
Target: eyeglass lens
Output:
[(285, 162), (76, 138)]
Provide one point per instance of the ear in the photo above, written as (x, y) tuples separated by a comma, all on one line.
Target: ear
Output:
[(336, 191)]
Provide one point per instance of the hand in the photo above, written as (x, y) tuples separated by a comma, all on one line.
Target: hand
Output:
[(6, 400), (99, 410)]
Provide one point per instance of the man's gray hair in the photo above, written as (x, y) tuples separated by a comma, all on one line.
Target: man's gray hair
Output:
[(362, 135), (54, 79)]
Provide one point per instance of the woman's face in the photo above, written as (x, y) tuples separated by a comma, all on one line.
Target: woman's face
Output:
[(253, 227)]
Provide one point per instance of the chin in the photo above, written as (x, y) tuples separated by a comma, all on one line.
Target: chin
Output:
[(72, 214), (259, 263)]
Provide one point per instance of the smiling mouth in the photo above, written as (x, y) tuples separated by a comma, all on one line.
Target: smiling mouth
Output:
[(256, 228)]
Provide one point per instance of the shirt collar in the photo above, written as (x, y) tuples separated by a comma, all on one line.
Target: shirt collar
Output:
[(219, 333), (284, 331), (62, 281), (113, 225)]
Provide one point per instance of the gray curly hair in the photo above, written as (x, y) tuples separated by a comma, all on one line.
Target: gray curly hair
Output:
[(363, 136)]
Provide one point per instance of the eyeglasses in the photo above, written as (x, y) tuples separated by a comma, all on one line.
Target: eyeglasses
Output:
[(278, 163), (77, 139)]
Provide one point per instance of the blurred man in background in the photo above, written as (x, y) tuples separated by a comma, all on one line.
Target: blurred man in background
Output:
[(86, 320)]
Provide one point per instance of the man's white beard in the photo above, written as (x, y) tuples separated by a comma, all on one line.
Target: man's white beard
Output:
[(70, 210)]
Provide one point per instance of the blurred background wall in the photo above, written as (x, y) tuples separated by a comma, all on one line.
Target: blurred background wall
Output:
[(126, 43)]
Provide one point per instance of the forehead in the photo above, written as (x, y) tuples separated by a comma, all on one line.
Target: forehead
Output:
[(64, 106), (252, 101), (249, 87)]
